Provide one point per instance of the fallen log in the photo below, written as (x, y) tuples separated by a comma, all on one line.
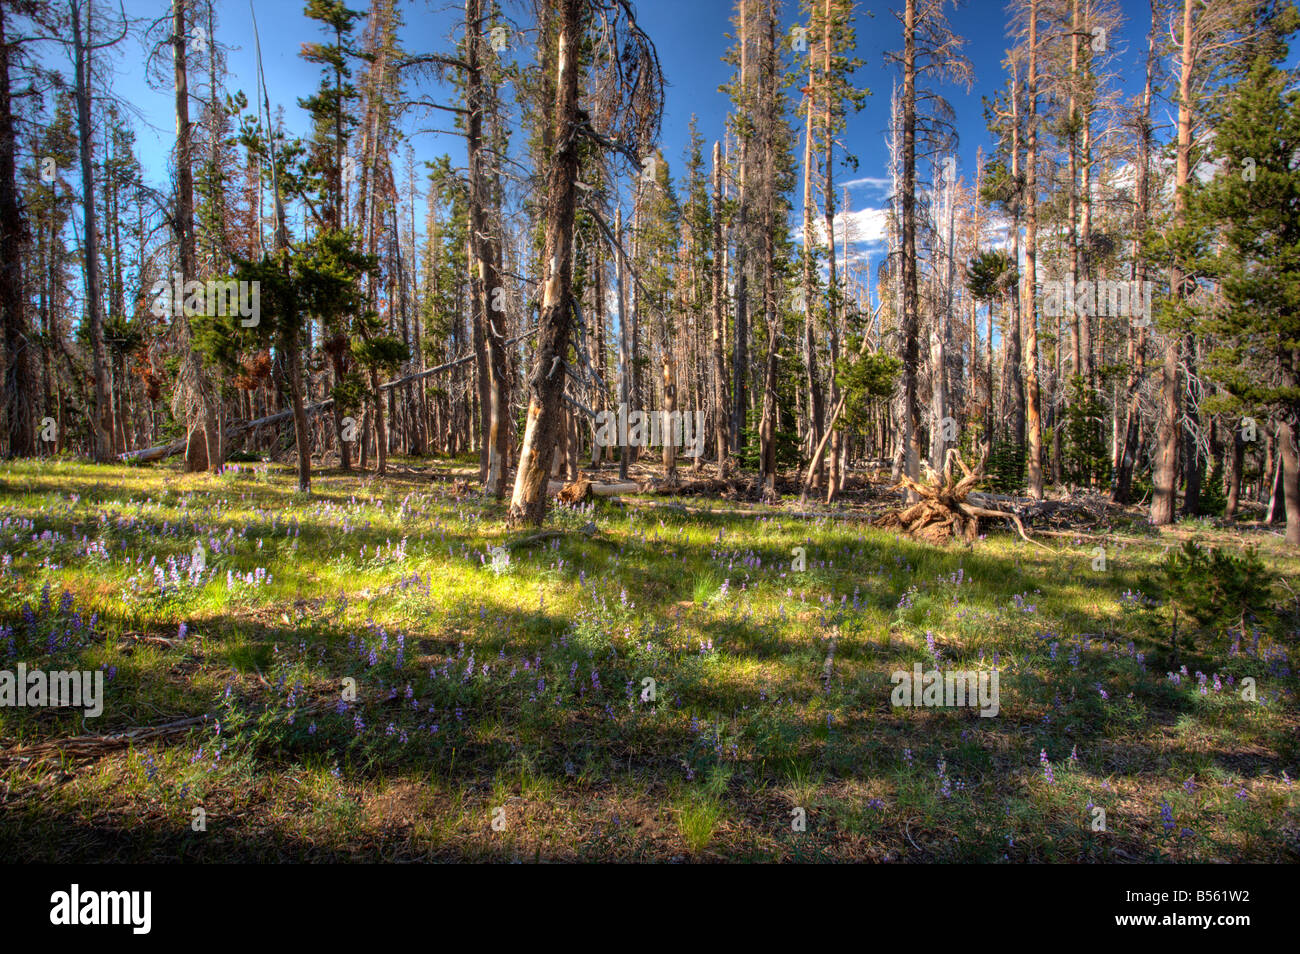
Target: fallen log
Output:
[(90, 745), (233, 431), (578, 492), (554, 487)]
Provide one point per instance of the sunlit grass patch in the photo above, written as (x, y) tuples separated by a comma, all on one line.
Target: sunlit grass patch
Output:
[(666, 682)]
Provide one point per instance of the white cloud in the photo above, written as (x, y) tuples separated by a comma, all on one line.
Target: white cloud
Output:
[(868, 182), (865, 227)]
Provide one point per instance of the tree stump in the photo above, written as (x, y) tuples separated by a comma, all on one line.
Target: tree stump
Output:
[(579, 491), (196, 451)]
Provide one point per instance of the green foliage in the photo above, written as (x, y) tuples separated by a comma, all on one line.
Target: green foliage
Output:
[(1214, 588), (787, 445), (990, 274), (1213, 501), (867, 380), (1249, 240), (1085, 456), (1004, 473)]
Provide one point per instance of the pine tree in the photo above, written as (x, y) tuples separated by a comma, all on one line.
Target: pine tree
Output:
[(1252, 207)]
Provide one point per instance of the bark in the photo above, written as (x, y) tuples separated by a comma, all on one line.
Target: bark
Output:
[(19, 377), (670, 405), (1235, 455), (101, 425), (1164, 500), (1290, 481), (719, 291), (1033, 421), (546, 380), (624, 336), (911, 303), (486, 256), (813, 391), (185, 235), (1014, 352), (1137, 339)]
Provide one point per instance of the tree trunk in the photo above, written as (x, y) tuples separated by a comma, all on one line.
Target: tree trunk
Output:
[(813, 392), (624, 338), (1290, 481), (486, 251), (101, 426), (1121, 491), (185, 236), (910, 303), (1164, 499), (547, 380), (740, 354), (1236, 453), (1033, 420), (19, 378), (720, 404), (670, 405)]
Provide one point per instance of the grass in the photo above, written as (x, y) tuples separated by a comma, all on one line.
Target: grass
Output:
[(375, 690)]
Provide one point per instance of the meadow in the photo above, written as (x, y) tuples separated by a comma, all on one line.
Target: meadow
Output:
[(360, 675)]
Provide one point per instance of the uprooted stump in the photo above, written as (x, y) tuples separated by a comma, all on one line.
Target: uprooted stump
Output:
[(943, 512)]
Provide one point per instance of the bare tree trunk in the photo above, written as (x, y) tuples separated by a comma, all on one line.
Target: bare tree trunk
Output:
[(1033, 420), (813, 390), (1164, 499), (1137, 340), (624, 338), (547, 379), (720, 404), (1013, 350), (740, 354), (101, 425), (911, 302), (19, 378), (486, 251), (670, 405), (1235, 454), (1290, 481)]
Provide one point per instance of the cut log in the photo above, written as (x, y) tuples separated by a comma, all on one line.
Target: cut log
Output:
[(598, 490), (578, 492)]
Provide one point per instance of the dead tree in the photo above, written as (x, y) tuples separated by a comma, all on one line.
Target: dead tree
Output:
[(623, 49)]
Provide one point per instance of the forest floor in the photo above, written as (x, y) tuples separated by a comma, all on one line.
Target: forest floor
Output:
[(503, 709)]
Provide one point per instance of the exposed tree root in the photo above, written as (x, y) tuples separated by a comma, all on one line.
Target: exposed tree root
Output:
[(940, 513)]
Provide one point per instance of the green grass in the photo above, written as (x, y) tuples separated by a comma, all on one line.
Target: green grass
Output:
[(527, 690)]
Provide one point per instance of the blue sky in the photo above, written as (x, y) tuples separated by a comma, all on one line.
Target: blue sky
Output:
[(690, 36)]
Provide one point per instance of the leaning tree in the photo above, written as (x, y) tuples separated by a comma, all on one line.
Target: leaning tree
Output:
[(598, 44)]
